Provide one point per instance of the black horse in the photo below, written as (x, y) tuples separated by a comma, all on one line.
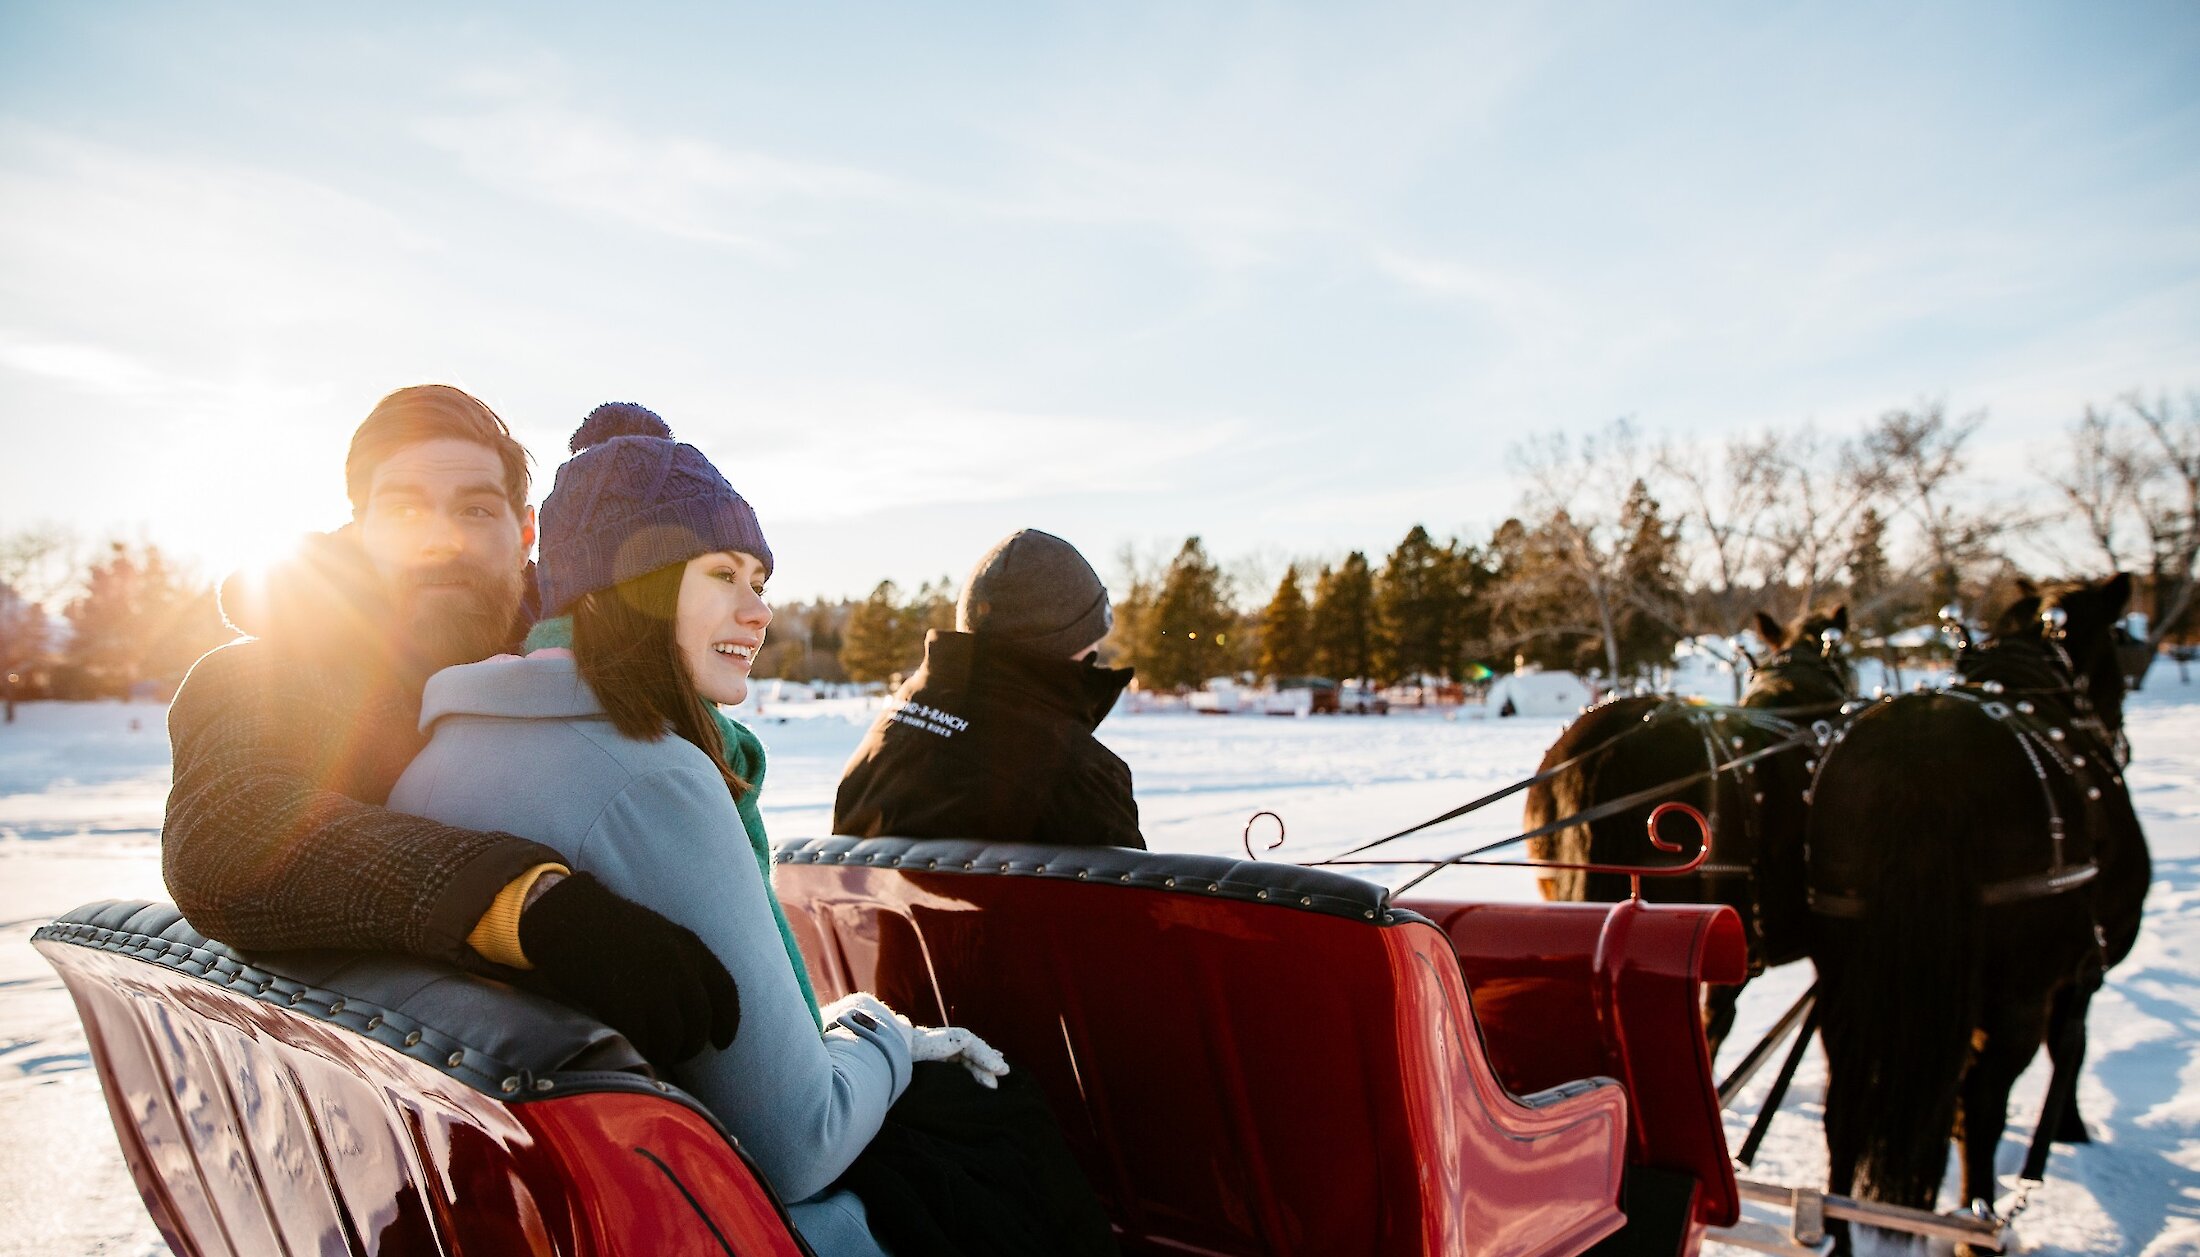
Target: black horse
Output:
[(1637, 744), (1975, 865)]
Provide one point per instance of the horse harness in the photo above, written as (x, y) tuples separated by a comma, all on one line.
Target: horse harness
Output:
[(1784, 728), (1998, 681)]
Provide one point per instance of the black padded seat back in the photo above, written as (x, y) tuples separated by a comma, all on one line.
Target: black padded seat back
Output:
[(1278, 883), (474, 1028)]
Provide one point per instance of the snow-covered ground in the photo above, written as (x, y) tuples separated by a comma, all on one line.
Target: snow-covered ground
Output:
[(81, 788)]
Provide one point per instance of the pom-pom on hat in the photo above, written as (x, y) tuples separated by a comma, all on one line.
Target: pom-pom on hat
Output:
[(632, 500), (1035, 590)]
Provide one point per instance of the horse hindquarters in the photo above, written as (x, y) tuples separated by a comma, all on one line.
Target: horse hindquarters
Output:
[(1891, 833), (1579, 788)]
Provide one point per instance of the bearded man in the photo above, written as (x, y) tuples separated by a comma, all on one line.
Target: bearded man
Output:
[(288, 742)]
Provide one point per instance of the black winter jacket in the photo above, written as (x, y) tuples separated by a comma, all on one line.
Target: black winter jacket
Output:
[(286, 744), (993, 743)]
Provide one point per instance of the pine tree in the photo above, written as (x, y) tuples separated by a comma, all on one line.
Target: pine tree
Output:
[(1284, 650), (822, 627), (933, 607), (22, 640), (1870, 580), (1652, 582), (1417, 607), (871, 646), (1473, 576), (1343, 629), (1188, 627), (139, 618)]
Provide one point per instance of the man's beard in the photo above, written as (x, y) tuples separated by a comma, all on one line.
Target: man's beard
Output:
[(462, 624)]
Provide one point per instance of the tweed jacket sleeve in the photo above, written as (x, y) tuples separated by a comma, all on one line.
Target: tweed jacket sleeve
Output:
[(265, 847)]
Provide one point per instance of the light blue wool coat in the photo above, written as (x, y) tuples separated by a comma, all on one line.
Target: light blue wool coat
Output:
[(522, 746), (745, 755)]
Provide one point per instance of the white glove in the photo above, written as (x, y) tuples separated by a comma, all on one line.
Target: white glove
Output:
[(953, 1043), (867, 1004)]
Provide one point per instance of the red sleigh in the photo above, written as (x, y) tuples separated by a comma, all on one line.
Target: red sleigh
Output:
[(1247, 1058)]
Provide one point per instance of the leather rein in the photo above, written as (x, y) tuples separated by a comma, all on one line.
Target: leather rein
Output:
[(1792, 726)]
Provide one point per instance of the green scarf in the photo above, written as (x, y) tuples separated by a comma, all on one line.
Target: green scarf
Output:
[(745, 755)]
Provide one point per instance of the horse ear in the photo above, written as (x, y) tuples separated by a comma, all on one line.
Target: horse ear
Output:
[(2117, 589), (1840, 617), (2021, 617), (1770, 631)]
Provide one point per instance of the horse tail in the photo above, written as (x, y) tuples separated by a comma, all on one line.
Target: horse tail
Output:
[(1892, 824), (1563, 795)]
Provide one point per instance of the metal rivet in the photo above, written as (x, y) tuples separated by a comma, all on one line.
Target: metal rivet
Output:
[(544, 1084), (2054, 735), (662, 1085), (2093, 792), (336, 1008), (509, 1085), (1214, 886), (455, 1059), (1369, 914), (2078, 760), (374, 1022), (267, 986), (1126, 877), (1168, 881), (413, 1039), (970, 864), (1081, 874), (931, 864), (1006, 866), (297, 998), (1261, 895), (1308, 900), (2025, 706)]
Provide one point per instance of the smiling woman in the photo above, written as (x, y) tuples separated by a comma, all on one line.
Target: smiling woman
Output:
[(662, 565), (721, 621)]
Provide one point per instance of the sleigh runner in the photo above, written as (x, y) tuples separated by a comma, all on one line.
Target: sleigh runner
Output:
[(1246, 1058)]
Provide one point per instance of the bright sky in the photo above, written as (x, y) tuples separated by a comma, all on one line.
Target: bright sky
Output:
[(1291, 277)]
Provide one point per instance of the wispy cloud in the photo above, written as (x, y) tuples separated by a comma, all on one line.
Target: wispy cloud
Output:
[(841, 453), (90, 368), (523, 136)]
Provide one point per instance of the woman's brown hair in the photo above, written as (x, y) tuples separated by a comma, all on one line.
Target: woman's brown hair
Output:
[(628, 653)]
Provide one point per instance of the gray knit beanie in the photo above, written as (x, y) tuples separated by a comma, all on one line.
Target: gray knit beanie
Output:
[(1035, 590), (632, 500)]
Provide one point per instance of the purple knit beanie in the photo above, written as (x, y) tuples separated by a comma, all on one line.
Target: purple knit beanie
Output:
[(632, 500)]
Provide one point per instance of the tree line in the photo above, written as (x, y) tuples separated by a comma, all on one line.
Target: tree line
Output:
[(1621, 547), (131, 620), (1618, 547)]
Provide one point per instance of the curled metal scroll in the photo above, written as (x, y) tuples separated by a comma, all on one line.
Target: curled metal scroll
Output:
[(1247, 836), (1633, 872)]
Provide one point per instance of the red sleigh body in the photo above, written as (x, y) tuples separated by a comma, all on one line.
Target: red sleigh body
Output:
[(1246, 1058)]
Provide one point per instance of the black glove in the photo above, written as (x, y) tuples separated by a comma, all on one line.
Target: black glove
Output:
[(644, 976)]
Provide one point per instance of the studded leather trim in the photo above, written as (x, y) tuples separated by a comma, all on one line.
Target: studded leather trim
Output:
[(1283, 885)]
